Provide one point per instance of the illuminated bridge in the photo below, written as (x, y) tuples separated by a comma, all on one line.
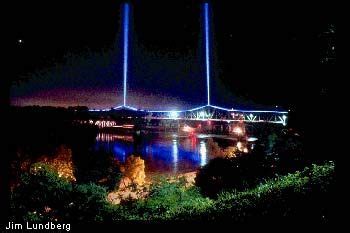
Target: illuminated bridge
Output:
[(206, 112), (215, 113)]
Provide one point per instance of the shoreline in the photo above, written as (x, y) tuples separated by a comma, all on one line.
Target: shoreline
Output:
[(140, 192)]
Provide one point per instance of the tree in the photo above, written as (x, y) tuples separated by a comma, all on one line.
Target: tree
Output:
[(41, 193), (44, 196), (241, 172), (288, 153), (88, 202), (98, 167)]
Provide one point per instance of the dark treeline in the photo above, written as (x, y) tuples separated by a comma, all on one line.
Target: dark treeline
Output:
[(40, 131), (40, 128)]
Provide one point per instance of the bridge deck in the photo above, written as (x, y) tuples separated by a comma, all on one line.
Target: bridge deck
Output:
[(205, 113)]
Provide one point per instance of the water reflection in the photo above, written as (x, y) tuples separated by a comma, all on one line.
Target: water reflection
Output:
[(175, 154), (166, 153), (203, 153), (107, 137)]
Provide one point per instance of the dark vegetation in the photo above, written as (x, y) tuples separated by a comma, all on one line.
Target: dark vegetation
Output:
[(40, 130), (98, 167), (303, 195), (240, 173), (276, 181), (276, 154), (43, 196)]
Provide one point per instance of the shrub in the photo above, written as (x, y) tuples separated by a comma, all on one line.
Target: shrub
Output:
[(44, 196), (41, 194), (304, 195), (97, 167), (168, 201), (288, 152), (299, 196), (240, 173), (88, 203)]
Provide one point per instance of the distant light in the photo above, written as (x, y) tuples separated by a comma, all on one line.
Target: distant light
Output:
[(252, 139), (20, 41), (238, 130), (245, 150), (239, 146), (129, 107), (173, 114), (276, 106), (188, 129), (202, 136), (128, 126), (284, 117)]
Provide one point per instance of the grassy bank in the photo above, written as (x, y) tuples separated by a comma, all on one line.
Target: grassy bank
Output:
[(299, 196), (302, 195)]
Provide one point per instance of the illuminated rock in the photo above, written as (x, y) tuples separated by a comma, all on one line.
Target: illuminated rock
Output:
[(133, 171)]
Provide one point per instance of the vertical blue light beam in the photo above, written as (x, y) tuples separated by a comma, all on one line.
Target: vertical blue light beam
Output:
[(206, 25), (125, 47)]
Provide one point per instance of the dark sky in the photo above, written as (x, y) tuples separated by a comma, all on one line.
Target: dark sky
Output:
[(262, 53)]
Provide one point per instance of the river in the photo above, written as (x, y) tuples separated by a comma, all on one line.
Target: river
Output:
[(168, 153)]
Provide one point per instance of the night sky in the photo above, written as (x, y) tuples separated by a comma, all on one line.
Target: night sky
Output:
[(262, 54)]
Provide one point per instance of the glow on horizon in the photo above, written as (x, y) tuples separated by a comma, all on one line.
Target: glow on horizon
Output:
[(206, 25), (125, 47)]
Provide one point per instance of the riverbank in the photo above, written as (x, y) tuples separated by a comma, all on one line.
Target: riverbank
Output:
[(131, 191), (303, 196)]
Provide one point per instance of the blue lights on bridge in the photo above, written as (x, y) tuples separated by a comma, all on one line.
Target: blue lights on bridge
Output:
[(126, 107), (173, 114)]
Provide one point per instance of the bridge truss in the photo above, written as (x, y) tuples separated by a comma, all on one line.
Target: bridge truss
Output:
[(215, 113)]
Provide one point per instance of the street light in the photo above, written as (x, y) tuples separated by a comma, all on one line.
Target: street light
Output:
[(173, 114), (238, 130)]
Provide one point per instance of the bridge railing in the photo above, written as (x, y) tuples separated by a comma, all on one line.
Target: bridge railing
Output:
[(221, 114)]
